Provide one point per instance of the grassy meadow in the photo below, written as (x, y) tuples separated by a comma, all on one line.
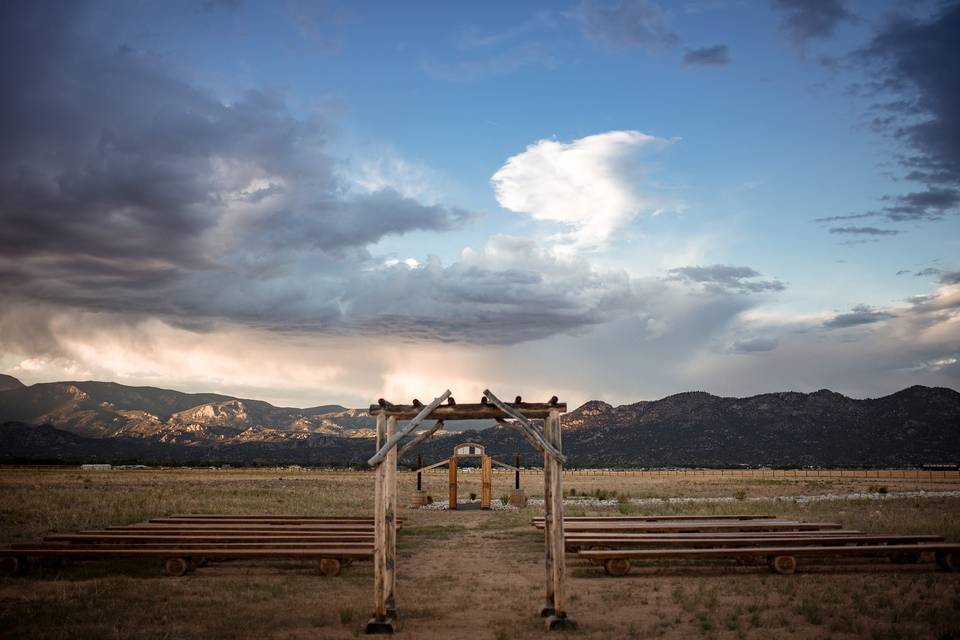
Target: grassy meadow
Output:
[(467, 573)]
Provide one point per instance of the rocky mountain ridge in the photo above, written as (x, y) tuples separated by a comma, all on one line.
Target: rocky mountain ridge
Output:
[(97, 420)]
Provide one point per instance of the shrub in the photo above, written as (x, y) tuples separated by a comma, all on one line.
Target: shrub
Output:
[(740, 494), (473, 496), (505, 499), (429, 499)]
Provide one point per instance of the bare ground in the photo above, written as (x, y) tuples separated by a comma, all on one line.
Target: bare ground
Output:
[(466, 574)]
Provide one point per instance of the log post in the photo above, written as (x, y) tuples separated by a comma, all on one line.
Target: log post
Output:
[(559, 620), (379, 623), (486, 481), (452, 501), (516, 476), (390, 519), (547, 611)]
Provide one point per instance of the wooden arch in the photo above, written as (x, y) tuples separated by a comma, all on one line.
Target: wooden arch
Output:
[(517, 415), (469, 450)]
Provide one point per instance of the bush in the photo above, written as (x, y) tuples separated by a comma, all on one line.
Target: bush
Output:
[(429, 499), (505, 499), (573, 491), (473, 496), (740, 494)]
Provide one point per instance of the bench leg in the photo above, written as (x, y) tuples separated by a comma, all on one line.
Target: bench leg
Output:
[(617, 566), (784, 565), (12, 566), (330, 567), (948, 560), (176, 567)]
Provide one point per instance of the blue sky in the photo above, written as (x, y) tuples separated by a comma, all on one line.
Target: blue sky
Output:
[(321, 202)]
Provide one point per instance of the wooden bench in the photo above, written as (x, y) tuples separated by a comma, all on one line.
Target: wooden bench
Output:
[(178, 562), (334, 526), (673, 517), (112, 536), (332, 540), (692, 527), (780, 558), (259, 520), (641, 541)]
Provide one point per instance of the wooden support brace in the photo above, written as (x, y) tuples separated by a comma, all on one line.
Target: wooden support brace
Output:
[(525, 425), (523, 432), (423, 435), (407, 429), (433, 466)]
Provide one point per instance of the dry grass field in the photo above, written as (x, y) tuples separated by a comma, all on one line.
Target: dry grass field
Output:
[(469, 573)]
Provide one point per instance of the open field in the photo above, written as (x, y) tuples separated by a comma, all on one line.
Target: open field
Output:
[(470, 573)]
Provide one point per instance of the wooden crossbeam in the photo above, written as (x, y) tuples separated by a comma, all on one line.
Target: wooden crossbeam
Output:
[(473, 411), (433, 466), (505, 465), (523, 432), (395, 439), (423, 435), (524, 424)]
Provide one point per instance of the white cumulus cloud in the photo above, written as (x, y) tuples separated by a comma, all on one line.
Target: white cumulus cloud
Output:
[(593, 185)]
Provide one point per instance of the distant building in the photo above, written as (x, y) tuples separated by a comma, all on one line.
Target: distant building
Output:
[(96, 467)]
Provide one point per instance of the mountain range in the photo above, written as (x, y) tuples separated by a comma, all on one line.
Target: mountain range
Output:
[(106, 421)]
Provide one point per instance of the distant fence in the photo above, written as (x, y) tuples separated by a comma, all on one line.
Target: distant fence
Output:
[(748, 474)]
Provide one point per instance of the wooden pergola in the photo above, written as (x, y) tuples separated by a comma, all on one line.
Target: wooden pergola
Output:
[(518, 415)]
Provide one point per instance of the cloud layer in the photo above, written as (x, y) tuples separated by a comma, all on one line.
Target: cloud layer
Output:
[(592, 185)]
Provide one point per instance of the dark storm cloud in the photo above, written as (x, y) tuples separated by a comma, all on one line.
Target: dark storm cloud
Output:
[(707, 56), (627, 23), (725, 279), (123, 188), (859, 315), (805, 20), (914, 62), (931, 204), (952, 277), (864, 231)]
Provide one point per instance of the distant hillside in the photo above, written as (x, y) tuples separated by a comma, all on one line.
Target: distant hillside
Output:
[(110, 410), (9, 382), (102, 421)]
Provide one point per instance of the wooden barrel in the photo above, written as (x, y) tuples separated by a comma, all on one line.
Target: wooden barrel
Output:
[(518, 498), (418, 500)]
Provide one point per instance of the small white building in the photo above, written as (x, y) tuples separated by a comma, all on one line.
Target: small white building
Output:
[(96, 467)]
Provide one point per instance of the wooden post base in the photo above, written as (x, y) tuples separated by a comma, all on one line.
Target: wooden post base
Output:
[(383, 626), (561, 623), (518, 498)]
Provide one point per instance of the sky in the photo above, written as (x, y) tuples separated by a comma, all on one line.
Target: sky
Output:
[(323, 202)]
